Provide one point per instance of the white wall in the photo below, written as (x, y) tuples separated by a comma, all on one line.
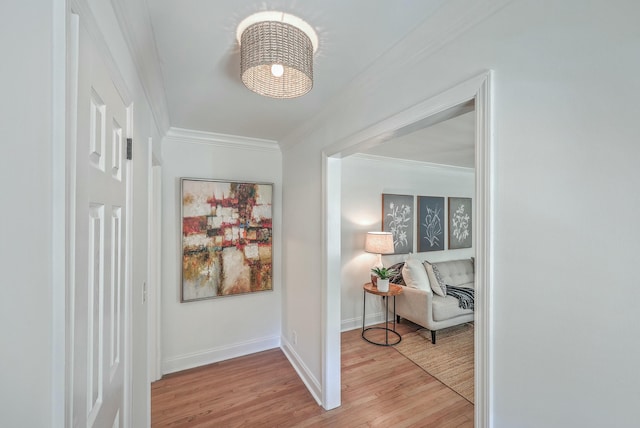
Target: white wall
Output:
[(206, 331), (302, 262), (25, 218), (565, 93), (364, 179)]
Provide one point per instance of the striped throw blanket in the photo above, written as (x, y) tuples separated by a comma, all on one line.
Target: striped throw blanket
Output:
[(464, 295)]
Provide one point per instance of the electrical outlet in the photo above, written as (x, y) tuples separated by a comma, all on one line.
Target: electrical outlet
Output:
[(294, 337)]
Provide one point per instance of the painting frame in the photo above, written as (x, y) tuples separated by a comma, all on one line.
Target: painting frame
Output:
[(226, 237), (460, 221), (398, 218), (430, 223)]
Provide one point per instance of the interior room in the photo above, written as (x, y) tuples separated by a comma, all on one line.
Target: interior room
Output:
[(436, 160), (115, 278)]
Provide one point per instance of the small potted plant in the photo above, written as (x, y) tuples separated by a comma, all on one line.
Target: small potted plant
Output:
[(383, 274)]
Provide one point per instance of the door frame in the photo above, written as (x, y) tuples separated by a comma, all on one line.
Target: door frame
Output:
[(479, 89), (154, 284), (59, 218)]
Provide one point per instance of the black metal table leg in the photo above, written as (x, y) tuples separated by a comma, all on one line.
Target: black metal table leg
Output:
[(386, 328), (364, 307)]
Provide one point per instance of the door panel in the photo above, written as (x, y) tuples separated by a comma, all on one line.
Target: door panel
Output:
[(101, 200)]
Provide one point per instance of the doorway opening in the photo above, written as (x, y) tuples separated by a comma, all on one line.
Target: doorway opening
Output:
[(475, 91)]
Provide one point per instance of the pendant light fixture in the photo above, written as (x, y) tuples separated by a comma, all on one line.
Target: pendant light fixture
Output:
[(276, 54)]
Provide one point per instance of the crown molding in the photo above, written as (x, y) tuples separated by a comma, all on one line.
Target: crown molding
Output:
[(181, 135), (135, 24), (409, 162)]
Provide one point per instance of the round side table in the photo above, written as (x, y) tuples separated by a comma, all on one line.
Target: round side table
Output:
[(394, 290)]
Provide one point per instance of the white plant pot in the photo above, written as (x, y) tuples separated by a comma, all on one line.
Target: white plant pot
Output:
[(383, 285)]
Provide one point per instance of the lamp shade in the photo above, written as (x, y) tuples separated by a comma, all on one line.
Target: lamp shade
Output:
[(276, 60), (379, 243)]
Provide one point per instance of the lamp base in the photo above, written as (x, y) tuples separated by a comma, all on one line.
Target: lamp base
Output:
[(374, 277)]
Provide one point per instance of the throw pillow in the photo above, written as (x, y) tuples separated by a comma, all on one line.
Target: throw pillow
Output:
[(396, 278), (435, 279), (415, 275)]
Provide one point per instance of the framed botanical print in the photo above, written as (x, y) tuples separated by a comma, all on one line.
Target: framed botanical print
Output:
[(460, 221), (397, 218), (430, 223)]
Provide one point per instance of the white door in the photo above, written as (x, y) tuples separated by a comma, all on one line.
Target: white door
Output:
[(100, 283)]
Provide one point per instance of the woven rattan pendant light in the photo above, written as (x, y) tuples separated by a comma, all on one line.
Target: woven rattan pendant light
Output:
[(276, 54)]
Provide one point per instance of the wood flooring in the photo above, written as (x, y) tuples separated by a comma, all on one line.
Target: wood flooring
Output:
[(380, 388)]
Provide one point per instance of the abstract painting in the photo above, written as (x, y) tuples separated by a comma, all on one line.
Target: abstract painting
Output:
[(459, 223), (430, 223), (226, 238), (397, 218)]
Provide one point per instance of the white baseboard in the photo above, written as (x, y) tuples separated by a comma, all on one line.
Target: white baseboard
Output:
[(303, 371), (209, 356), (354, 323)]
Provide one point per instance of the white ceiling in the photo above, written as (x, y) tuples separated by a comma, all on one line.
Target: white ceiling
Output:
[(199, 58), (193, 45), (451, 142)]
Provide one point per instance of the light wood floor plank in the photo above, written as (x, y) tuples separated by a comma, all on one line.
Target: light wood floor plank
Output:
[(380, 387)]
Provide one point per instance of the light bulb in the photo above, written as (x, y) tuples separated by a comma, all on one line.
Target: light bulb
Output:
[(277, 70)]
